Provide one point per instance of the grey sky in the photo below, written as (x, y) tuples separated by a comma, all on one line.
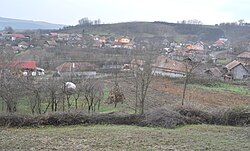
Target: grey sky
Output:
[(111, 11)]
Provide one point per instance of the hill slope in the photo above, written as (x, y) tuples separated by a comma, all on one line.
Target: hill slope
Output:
[(171, 31), (177, 32), (27, 24)]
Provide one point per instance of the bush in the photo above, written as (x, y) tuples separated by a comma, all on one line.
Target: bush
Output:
[(163, 117), (14, 120), (238, 116), (67, 118), (160, 117), (195, 115)]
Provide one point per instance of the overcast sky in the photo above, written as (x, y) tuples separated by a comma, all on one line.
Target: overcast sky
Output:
[(68, 12)]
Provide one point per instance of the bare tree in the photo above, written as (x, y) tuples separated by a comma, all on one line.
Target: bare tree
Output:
[(143, 74), (53, 93), (9, 30), (93, 93), (35, 93), (10, 89), (190, 65)]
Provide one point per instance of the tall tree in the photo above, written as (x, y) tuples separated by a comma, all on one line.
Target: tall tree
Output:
[(143, 74), (93, 93), (190, 65), (9, 30)]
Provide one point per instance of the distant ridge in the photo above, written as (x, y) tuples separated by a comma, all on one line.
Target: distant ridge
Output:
[(27, 24)]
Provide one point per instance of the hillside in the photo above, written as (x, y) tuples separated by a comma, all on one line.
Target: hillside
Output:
[(171, 31), (177, 32), (27, 24)]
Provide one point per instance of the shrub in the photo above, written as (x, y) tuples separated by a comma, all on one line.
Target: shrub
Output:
[(163, 117), (238, 116), (67, 118), (160, 117), (195, 115)]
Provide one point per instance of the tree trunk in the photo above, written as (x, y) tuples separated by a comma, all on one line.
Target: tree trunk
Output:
[(184, 90), (2, 105), (63, 103), (136, 96), (68, 101)]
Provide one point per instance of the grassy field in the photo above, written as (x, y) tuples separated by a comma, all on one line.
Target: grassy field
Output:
[(112, 137), (224, 87)]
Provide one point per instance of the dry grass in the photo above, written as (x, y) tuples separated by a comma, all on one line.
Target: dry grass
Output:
[(111, 137), (210, 99)]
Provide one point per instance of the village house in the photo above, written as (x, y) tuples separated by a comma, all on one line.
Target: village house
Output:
[(50, 43), (129, 46), (197, 47), (244, 58), (213, 72), (26, 68), (123, 40), (53, 34), (23, 45), (17, 36), (165, 66), (76, 69), (63, 37), (236, 70), (219, 44)]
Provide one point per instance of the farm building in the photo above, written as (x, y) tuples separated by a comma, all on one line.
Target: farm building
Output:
[(25, 68), (236, 70), (244, 58), (76, 69), (165, 66), (213, 72)]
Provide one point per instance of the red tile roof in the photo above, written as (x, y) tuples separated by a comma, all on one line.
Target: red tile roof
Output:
[(219, 42), (18, 35), (24, 64)]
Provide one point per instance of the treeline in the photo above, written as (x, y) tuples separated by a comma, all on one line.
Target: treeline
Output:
[(87, 22), (240, 22)]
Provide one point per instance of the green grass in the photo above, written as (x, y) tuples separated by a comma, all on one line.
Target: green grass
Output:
[(111, 108), (23, 106), (224, 87), (113, 137), (224, 61)]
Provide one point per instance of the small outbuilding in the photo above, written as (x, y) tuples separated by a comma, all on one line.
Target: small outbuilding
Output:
[(236, 70)]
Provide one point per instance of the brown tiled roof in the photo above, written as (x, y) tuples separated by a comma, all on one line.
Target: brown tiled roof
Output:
[(215, 71), (169, 64), (51, 42), (76, 67), (245, 54), (23, 43), (232, 64)]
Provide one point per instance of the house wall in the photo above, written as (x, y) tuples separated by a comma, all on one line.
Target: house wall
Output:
[(124, 40), (239, 72), (79, 74), (168, 73)]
